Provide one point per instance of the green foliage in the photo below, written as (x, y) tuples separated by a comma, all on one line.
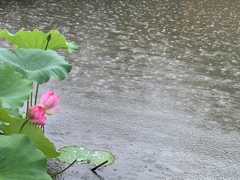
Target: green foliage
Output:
[(4, 116), (15, 113), (14, 88), (35, 64), (22, 143), (37, 39), (21, 160), (70, 153), (22, 126)]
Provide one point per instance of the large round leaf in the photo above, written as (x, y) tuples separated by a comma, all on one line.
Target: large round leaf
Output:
[(35, 64), (37, 39), (71, 153), (21, 160), (14, 88)]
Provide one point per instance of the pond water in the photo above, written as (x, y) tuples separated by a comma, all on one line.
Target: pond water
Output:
[(155, 82)]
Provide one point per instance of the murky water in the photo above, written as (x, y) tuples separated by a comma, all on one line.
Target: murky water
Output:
[(155, 82)]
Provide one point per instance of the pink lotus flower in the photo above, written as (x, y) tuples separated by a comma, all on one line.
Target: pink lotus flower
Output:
[(49, 100), (37, 114)]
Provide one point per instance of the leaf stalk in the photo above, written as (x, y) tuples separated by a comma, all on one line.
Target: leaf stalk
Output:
[(64, 168)]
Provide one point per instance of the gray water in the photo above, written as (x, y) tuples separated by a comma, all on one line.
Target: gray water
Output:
[(155, 82)]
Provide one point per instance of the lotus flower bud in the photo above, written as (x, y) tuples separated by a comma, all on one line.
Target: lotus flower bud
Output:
[(49, 100), (37, 114)]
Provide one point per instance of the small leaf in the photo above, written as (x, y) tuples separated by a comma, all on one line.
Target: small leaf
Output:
[(22, 126), (37, 39), (35, 64), (20, 159), (70, 153), (14, 88)]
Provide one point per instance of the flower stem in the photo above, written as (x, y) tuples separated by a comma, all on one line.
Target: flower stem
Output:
[(23, 125), (95, 168), (48, 39), (30, 100), (35, 101), (42, 127), (27, 108)]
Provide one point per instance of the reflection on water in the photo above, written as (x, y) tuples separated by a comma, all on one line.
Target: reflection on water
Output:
[(157, 53)]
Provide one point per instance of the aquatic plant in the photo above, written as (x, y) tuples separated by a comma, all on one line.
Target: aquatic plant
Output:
[(36, 114), (23, 70), (48, 101)]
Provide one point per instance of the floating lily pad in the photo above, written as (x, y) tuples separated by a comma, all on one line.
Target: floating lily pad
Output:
[(11, 84), (20, 159), (37, 39), (71, 153), (35, 64)]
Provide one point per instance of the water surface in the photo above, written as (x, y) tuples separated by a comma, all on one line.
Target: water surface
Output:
[(155, 82)]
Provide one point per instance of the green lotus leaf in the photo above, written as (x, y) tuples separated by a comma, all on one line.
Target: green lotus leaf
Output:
[(15, 113), (71, 153), (14, 88), (35, 64), (20, 159), (23, 126), (37, 39), (5, 117)]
